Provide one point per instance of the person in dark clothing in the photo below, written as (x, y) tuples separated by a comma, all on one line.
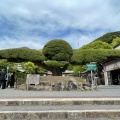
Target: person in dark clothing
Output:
[(3, 79), (12, 80), (115, 82)]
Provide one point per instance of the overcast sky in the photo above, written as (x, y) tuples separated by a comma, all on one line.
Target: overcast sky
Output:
[(32, 23)]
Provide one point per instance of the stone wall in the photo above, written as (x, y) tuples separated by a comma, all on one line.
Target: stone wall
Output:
[(68, 84)]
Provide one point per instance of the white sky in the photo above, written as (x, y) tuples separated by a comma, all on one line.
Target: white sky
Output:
[(32, 23)]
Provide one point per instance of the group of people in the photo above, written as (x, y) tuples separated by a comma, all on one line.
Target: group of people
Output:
[(6, 81)]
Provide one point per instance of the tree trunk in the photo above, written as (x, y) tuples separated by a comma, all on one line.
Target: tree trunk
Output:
[(56, 72)]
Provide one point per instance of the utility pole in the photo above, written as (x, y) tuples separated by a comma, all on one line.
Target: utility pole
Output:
[(78, 44)]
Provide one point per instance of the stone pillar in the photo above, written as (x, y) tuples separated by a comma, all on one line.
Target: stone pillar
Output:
[(106, 78)]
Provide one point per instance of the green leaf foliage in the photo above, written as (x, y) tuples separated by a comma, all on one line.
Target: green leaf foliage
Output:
[(29, 67), (97, 45), (115, 41), (22, 54), (56, 64), (70, 67), (3, 63), (94, 55), (108, 37), (77, 69), (58, 50)]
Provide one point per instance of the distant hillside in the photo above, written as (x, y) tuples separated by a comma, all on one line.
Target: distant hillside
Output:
[(108, 37)]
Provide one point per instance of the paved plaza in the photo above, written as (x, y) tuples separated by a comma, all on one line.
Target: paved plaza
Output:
[(101, 92)]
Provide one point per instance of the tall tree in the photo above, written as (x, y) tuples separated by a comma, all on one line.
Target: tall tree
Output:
[(58, 53)]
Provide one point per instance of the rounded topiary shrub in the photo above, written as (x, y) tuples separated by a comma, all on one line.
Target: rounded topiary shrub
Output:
[(58, 50)]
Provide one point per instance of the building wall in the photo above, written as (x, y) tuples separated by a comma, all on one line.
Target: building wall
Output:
[(118, 47), (108, 68)]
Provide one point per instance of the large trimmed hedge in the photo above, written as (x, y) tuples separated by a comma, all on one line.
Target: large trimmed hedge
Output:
[(94, 55), (22, 54)]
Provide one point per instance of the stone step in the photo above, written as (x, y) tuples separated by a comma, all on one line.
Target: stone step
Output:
[(60, 109), (61, 115), (59, 101)]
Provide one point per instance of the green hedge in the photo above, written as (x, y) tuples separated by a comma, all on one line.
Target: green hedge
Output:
[(94, 55), (22, 54)]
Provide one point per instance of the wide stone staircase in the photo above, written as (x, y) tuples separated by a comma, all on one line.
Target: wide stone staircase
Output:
[(60, 109)]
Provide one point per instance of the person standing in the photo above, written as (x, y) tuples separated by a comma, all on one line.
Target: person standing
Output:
[(9, 79), (3, 79), (12, 80)]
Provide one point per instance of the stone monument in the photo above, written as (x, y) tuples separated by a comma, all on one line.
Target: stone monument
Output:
[(32, 79)]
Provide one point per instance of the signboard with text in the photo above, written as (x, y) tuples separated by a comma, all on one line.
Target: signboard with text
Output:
[(33, 79), (91, 67)]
